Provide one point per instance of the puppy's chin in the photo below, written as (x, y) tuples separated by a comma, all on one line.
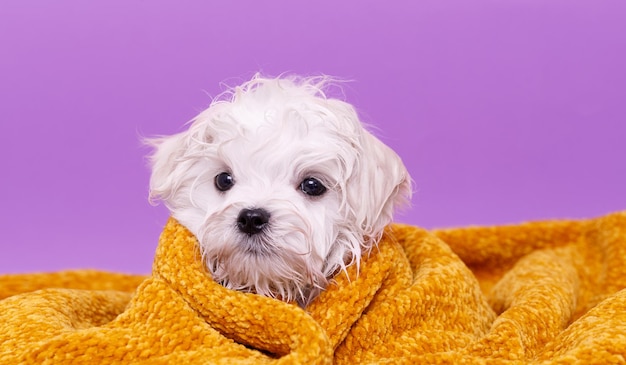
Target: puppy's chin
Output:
[(255, 264)]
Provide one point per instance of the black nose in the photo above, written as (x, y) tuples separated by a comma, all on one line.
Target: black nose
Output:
[(252, 221)]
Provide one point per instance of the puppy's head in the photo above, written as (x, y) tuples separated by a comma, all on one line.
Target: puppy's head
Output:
[(282, 186)]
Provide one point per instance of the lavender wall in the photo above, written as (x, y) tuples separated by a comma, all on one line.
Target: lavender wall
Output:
[(504, 111)]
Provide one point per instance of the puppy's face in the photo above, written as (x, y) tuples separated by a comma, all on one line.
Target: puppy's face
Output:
[(281, 186)]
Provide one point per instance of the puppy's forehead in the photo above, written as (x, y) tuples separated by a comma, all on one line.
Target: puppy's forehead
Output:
[(305, 123), (288, 143)]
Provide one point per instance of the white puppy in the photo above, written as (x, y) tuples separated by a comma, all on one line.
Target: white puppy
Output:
[(281, 185)]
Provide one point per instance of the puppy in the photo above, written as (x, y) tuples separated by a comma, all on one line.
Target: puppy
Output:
[(282, 186)]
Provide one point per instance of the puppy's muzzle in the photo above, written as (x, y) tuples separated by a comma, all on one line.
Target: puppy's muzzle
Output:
[(252, 221)]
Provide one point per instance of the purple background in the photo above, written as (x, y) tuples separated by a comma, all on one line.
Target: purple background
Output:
[(503, 111)]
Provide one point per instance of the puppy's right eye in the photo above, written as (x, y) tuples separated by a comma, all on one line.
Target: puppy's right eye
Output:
[(224, 181), (312, 186)]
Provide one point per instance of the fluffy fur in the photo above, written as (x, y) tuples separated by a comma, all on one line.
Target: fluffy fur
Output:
[(269, 135)]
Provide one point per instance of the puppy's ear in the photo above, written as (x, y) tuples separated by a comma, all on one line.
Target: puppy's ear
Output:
[(165, 163), (379, 185)]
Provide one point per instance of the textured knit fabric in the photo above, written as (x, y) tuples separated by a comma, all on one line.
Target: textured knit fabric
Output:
[(543, 293)]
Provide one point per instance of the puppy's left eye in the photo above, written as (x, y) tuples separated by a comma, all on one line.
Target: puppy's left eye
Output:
[(224, 181), (312, 186)]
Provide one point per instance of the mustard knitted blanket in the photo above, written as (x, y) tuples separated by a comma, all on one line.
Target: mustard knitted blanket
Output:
[(545, 292)]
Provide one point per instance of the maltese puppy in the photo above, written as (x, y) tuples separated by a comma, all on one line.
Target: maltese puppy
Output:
[(281, 185)]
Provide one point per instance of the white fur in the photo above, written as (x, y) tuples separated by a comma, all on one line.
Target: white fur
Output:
[(270, 134)]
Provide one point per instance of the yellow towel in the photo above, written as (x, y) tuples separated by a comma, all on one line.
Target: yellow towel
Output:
[(545, 292)]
